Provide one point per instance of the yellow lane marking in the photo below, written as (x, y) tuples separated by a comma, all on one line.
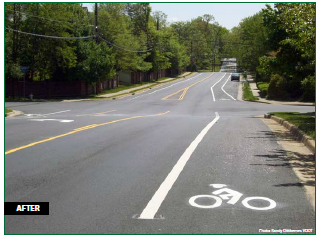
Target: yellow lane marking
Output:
[(105, 112), (183, 94), (168, 96), (181, 97), (79, 130), (161, 114)]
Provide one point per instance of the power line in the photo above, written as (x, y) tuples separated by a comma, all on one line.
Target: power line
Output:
[(61, 21), (48, 36), (45, 18), (124, 48)]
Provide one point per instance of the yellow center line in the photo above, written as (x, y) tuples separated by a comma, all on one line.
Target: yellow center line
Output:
[(183, 94), (79, 130), (181, 97)]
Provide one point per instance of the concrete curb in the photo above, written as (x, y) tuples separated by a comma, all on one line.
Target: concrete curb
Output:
[(13, 113), (240, 93), (299, 135)]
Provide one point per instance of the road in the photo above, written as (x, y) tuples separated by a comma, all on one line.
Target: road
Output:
[(133, 165)]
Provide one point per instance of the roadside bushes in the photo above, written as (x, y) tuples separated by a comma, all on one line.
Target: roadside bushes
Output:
[(262, 86), (265, 68), (308, 84), (278, 88)]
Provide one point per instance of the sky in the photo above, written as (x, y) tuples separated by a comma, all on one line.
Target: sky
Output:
[(228, 15)]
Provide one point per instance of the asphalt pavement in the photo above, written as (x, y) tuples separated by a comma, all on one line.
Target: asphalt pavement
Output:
[(184, 158)]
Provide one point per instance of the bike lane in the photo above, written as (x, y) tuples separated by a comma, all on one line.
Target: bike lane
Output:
[(243, 158)]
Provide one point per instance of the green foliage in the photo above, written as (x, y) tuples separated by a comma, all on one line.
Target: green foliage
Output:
[(309, 86), (204, 40), (277, 88), (13, 71), (248, 42), (291, 28), (7, 110), (46, 58), (298, 20), (279, 40), (266, 67), (97, 62), (117, 28)]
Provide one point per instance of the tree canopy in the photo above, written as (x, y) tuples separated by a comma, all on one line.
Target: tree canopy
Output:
[(59, 41)]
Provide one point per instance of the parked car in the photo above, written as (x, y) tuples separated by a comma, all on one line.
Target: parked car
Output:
[(235, 76)]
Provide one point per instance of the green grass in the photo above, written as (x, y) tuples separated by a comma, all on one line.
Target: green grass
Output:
[(7, 110), (247, 93), (263, 86), (304, 121), (124, 87)]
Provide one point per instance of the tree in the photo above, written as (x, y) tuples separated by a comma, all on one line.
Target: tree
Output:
[(96, 62), (291, 28), (116, 28), (160, 19)]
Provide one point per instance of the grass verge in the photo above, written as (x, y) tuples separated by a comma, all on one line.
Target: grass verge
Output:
[(304, 121), (7, 110), (247, 93), (123, 87), (136, 86)]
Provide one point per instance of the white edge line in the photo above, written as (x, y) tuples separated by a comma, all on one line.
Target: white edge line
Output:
[(224, 86), (212, 91), (60, 120), (55, 113), (154, 204)]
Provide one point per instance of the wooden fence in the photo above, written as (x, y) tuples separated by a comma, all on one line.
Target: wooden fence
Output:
[(56, 89)]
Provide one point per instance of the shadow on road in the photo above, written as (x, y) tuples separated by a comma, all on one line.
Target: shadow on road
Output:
[(279, 158)]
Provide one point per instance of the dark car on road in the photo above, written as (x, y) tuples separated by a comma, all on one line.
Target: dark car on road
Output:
[(235, 76)]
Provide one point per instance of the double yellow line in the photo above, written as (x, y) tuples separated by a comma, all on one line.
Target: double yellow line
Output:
[(79, 130), (184, 90)]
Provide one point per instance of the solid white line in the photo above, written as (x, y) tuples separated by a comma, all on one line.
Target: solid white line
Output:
[(47, 113), (55, 112), (212, 91), (164, 88), (156, 201), (59, 120), (224, 90)]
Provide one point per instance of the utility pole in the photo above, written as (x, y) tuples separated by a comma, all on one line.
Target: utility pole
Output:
[(14, 54), (191, 55), (96, 22)]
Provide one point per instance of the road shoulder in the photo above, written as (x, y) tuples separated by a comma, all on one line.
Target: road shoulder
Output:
[(301, 159)]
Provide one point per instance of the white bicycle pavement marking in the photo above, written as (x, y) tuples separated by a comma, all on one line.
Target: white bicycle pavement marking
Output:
[(232, 196), (271, 206), (159, 196)]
